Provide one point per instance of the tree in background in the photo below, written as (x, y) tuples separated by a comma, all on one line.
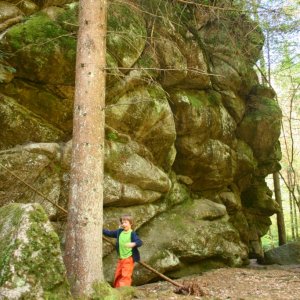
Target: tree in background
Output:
[(83, 253)]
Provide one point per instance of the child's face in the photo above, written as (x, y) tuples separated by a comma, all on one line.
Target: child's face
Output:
[(126, 225)]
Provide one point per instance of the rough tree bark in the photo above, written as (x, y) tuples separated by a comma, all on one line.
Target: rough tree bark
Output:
[(83, 253)]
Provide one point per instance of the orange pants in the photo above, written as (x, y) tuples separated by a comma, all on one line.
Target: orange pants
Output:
[(124, 272)]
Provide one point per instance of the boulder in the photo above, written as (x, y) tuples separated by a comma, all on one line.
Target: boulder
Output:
[(31, 265), (288, 254)]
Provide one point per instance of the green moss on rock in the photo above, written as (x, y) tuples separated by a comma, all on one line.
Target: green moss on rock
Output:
[(10, 218), (32, 257), (41, 50), (19, 125), (103, 291), (260, 128), (126, 33)]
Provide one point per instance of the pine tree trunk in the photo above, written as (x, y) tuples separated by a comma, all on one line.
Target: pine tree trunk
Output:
[(280, 217), (83, 252)]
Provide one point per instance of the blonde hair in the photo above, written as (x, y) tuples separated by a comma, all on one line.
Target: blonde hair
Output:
[(128, 218)]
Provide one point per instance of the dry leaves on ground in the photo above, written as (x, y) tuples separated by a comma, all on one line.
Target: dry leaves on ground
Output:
[(254, 282)]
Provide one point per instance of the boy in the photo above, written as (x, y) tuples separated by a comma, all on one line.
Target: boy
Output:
[(127, 249)]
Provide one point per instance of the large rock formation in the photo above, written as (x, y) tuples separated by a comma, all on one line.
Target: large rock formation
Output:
[(190, 132)]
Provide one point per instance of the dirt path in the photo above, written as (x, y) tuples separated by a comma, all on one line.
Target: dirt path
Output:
[(253, 282)]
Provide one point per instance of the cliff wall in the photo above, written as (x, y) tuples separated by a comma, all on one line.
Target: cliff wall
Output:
[(190, 132)]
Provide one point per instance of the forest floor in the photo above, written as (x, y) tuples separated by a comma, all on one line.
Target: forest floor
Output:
[(255, 281)]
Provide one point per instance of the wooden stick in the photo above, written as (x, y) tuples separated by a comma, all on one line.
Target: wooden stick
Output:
[(160, 274)]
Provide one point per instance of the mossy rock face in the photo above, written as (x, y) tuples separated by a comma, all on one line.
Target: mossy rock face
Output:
[(210, 165), (200, 115), (197, 68), (130, 176), (41, 50), (271, 163), (181, 145), (144, 114), (258, 226), (226, 35), (37, 165), (176, 47), (126, 33), (205, 135), (259, 197), (246, 164), (240, 223), (126, 165), (232, 55), (235, 105), (260, 127), (227, 76), (263, 91), (20, 125), (171, 58), (202, 234), (45, 101), (31, 262)]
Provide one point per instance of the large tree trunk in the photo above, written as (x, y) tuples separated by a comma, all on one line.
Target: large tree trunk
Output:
[(83, 253), (280, 217)]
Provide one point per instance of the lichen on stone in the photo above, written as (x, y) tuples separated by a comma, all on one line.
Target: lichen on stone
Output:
[(31, 259)]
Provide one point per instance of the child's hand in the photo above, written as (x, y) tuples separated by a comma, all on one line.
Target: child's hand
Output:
[(130, 245)]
